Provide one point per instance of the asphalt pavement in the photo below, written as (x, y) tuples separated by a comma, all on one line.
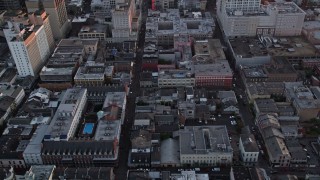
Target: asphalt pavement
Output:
[(121, 170)]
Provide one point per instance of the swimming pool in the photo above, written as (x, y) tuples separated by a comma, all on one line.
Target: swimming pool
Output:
[(88, 128)]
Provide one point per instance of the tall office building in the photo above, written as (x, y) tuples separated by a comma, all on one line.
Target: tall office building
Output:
[(122, 19), (58, 15), (30, 44)]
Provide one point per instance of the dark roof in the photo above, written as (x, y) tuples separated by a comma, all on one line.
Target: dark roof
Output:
[(83, 173), (6, 102), (77, 146), (8, 146), (8, 75)]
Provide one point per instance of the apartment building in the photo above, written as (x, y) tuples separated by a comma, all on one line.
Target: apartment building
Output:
[(122, 21), (175, 78), (30, 46), (218, 74), (249, 150), (96, 31), (58, 15), (251, 18), (102, 9), (163, 27), (205, 145), (304, 99), (93, 74), (64, 123)]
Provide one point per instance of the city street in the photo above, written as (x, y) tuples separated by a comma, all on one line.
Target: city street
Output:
[(121, 170)]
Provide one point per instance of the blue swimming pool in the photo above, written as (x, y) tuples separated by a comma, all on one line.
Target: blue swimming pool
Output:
[(88, 128)]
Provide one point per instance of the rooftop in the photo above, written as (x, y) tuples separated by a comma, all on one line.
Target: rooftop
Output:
[(220, 68), (63, 119), (170, 22), (40, 171), (276, 147), (96, 28), (107, 130), (266, 105), (249, 143), (79, 173), (204, 140), (8, 75), (248, 47), (295, 46), (301, 95), (211, 47)]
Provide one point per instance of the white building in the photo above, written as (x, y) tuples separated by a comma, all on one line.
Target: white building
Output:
[(65, 121), (250, 18), (25, 51), (249, 150), (32, 153), (31, 46), (205, 145)]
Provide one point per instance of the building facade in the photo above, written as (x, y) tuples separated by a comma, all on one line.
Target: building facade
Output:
[(58, 15)]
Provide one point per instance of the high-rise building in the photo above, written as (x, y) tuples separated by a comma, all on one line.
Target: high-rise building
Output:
[(30, 44), (122, 20), (58, 15), (25, 51)]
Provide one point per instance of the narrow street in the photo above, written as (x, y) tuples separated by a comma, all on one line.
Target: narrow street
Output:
[(121, 170)]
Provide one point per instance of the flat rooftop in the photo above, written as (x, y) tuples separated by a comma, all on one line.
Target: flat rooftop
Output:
[(174, 74), (249, 143), (295, 46), (220, 68), (285, 7), (63, 119), (204, 140), (248, 47), (107, 130), (96, 28), (254, 72), (212, 47)]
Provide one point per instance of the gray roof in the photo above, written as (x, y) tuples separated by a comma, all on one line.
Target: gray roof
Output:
[(204, 140), (170, 151), (249, 143)]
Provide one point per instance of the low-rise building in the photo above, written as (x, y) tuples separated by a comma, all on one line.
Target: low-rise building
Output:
[(15, 92), (263, 90), (40, 172), (205, 145), (249, 150), (32, 153), (170, 156), (218, 74), (8, 76), (305, 101), (228, 101), (175, 78), (93, 74), (80, 172), (115, 106), (96, 31), (80, 153), (279, 155), (140, 152)]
